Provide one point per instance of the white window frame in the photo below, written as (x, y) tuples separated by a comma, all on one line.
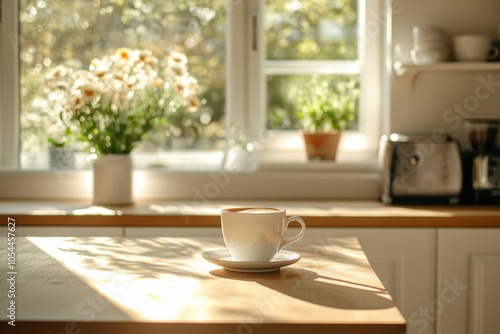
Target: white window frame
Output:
[(245, 106), (359, 146), (9, 136)]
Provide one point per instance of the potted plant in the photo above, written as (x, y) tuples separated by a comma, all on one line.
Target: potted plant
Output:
[(61, 150), (117, 102), (326, 108), (61, 138)]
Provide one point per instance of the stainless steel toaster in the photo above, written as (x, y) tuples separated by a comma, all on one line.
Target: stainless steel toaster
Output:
[(420, 169)]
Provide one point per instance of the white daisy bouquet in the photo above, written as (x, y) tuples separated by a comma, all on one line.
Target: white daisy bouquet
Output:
[(123, 96)]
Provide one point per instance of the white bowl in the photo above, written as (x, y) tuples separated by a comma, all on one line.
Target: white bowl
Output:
[(472, 47)]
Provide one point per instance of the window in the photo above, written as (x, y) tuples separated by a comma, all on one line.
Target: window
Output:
[(304, 44), (72, 33), (302, 41), (249, 56)]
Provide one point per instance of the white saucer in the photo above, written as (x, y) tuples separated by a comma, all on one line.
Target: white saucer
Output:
[(222, 258)]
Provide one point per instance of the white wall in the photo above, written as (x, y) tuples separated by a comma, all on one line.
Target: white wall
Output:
[(423, 105)]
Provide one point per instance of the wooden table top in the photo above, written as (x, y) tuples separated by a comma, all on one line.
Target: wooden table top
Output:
[(153, 285)]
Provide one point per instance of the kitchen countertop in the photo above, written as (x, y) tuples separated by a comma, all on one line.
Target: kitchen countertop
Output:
[(163, 285), (319, 213)]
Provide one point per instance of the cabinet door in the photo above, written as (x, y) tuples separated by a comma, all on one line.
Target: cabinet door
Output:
[(468, 293), (404, 259)]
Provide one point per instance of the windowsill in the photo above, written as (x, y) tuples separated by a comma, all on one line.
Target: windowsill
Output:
[(318, 166), (317, 213), (295, 179), (274, 155)]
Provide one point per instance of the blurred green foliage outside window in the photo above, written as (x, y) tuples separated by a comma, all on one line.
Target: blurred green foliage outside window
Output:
[(73, 32)]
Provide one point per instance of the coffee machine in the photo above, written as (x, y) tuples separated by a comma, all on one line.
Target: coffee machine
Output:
[(481, 163)]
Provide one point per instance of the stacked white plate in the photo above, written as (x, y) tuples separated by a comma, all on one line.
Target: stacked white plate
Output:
[(430, 45)]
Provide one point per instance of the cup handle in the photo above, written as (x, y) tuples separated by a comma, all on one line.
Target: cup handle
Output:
[(494, 53), (288, 241)]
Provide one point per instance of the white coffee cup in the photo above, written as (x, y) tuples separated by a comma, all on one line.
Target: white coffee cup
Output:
[(472, 47), (257, 233)]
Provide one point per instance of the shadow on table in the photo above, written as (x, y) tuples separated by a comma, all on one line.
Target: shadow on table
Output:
[(311, 287), (144, 257)]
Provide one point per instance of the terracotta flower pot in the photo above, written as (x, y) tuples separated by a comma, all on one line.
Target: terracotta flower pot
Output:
[(321, 145)]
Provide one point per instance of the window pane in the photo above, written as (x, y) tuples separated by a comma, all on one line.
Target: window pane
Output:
[(301, 37), (311, 29), (289, 94), (73, 32)]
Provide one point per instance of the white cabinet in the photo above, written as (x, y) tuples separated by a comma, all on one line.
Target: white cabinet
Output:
[(468, 290)]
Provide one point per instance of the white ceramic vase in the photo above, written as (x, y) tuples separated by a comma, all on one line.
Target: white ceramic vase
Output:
[(113, 180)]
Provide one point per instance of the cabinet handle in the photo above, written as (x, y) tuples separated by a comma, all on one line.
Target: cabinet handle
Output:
[(254, 30)]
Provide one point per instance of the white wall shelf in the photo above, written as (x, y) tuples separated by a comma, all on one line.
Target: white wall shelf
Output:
[(401, 69)]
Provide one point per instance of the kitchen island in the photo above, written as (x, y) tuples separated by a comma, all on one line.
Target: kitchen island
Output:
[(159, 285)]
